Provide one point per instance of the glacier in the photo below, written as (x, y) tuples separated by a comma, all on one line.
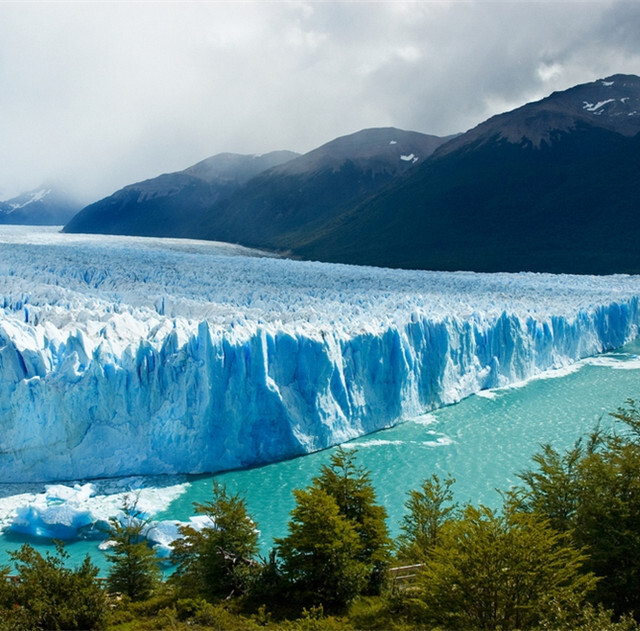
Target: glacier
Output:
[(125, 356)]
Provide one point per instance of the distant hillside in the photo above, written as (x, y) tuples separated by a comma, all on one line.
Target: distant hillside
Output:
[(552, 186), (283, 205), (44, 206), (272, 201), (172, 205)]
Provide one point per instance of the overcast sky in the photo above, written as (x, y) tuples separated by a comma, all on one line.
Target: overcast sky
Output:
[(103, 94)]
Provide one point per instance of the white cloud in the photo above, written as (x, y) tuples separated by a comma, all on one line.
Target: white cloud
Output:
[(549, 71)]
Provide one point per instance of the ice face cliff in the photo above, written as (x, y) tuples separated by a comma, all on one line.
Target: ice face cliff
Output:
[(123, 355)]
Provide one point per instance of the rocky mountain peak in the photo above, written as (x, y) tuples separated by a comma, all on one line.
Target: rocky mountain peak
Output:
[(612, 103), (381, 149), (46, 205)]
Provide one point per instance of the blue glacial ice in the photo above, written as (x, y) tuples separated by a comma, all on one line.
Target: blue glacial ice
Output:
[(82, 510), (127, 356)]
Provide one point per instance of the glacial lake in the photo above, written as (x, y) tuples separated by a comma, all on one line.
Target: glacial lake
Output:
[(482, 441)]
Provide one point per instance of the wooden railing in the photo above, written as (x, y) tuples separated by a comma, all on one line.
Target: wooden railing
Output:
[(10, 578), (405, 576)]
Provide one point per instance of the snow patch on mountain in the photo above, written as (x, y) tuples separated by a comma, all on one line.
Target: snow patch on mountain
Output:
[(34, 197), (591, 107), (126, 356)]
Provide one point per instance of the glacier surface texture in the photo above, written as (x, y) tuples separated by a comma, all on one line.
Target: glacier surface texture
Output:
[(125, 356)]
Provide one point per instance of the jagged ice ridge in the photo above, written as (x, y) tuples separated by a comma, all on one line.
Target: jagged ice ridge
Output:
[(125, 356)]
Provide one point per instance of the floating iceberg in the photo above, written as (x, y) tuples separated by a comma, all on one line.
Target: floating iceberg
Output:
[(59, 513), (82, 511), (127, 356)]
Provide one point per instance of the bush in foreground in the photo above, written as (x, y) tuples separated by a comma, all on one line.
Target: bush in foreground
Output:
[(50, 596)]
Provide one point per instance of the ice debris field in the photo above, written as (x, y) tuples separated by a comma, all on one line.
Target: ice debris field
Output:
[(126, 356), (68, 512)]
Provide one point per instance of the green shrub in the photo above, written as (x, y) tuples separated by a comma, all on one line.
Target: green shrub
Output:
[(501, 572), (49, 595)]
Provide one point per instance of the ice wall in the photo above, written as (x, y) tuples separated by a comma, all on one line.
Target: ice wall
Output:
[(129, 356)]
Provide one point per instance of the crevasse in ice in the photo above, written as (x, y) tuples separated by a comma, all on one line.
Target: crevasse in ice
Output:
[(125, 356)]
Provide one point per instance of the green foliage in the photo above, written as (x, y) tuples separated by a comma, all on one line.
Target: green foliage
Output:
[(134, 566), (126, 614), (51, 596), (351, 488), (630, 416), (168, 610), (607, 522), (500, 572), (313, 619), (594, 493), (321, 555), (269, 585), (553, 488), (428, 510), (587, 618), (217, 562), (391, 612)]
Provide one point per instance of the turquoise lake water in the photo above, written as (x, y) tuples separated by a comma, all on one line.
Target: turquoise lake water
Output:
[(482, 441)]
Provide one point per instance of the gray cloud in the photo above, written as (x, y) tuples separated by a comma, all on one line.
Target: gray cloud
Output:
[(104, 94)]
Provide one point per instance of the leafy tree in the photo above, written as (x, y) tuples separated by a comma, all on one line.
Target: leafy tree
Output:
[(51, 596), (351, 488), (134, 566), (428, 510), (501, 572), (594, 494), (553, 488), (270, 587), (607, 523), (216, 562), (321, 555), (630, 416)]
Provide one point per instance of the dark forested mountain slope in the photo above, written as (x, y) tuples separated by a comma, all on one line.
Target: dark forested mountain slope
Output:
[(552, 186), (283, 205), (270, 201)]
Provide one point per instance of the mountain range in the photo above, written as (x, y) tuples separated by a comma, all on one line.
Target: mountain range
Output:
[(45, 205), (551, 186), (174, 204), (269, 201)]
